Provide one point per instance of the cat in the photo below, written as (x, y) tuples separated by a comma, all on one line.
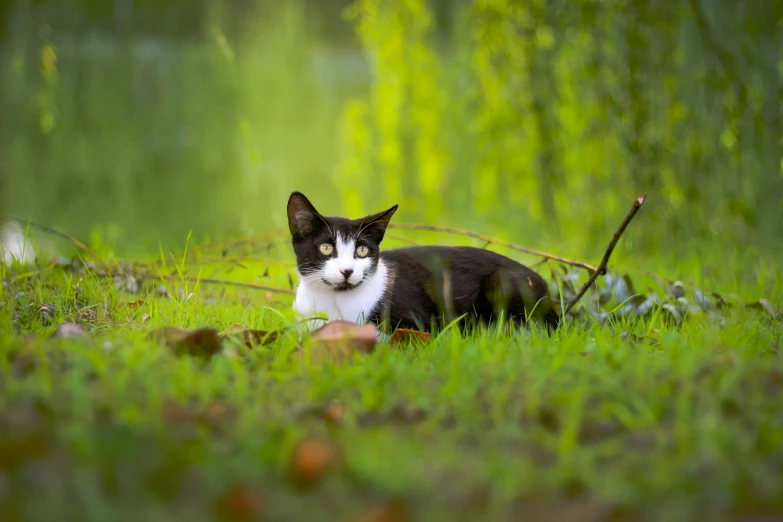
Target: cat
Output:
[(344, 275)]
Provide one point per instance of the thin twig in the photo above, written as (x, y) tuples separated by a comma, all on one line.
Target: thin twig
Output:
[(401, 239), (207, 281), (602, 267), (245, 259), (495, 241)]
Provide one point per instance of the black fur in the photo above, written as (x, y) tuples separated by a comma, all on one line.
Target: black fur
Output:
[(439, 283), (429, 285)]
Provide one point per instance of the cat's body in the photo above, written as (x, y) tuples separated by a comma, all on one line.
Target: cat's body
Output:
[(344, 275)]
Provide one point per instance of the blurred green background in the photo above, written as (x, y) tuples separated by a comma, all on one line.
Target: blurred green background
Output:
[(538, 122)]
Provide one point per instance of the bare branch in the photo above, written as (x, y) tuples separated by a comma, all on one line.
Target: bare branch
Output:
[(495, 241), (204, 280), (602, 267)]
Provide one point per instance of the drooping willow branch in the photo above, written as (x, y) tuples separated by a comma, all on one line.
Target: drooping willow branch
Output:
[(609, 249)]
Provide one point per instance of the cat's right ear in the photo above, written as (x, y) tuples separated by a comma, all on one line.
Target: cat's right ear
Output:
[(303, 218)]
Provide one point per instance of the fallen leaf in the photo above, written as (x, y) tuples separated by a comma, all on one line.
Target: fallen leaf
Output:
[(46, 311), (405, 336), (68, 331), (407, 414), (214, 413), (335, 333), (766, 306), (311, 460), (204, 342), (250, 338), (392, 511), (333, 412), (239, 503), (338, 341), (15, 451)]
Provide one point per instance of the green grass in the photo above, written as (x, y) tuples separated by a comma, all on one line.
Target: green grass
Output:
[(686, 424)]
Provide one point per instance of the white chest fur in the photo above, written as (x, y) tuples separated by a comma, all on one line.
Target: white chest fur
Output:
[(314, 299)]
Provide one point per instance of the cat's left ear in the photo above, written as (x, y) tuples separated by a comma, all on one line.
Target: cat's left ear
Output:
[(375, 225)]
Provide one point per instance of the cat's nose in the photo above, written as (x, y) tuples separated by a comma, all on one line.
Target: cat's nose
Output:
[(346, 273)]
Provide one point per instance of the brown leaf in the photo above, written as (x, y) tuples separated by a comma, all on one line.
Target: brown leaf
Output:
[(333, 412), (240, 503), (405, 336), (392, 511), (202, 342), (214, 413), (46, 311), (134, 304), (312, 459), (250, 338), (338, 341), (15, 451), (68, 331), (763, 304), (407, 414), (339, 333)]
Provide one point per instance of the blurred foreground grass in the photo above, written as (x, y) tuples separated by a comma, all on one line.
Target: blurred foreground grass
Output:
[(632, 420)]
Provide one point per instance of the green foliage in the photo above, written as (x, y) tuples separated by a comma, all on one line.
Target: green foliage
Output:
[(530, 121)]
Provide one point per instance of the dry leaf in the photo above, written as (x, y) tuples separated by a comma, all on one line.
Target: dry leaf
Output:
[(405, 336), (344, 333), (407, 414), (204, 342), (214, 413), (333, 412), (15, 451), (338, 341), (250, 338), (68, 331), (763, 304), (311, 460), (239, 503), (46, 311)]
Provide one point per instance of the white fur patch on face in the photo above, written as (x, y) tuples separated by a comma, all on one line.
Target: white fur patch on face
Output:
[(345, 261)]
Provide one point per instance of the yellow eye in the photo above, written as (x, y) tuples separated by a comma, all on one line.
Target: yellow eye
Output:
[(362, 251), (326, 249)]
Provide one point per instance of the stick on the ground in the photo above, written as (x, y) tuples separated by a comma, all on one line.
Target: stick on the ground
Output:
[(602, 267)]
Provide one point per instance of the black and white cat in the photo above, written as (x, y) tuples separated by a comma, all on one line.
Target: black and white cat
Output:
[(345, 276)]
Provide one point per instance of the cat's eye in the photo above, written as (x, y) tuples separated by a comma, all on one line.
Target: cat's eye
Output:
[(326, 249), (362, 251)]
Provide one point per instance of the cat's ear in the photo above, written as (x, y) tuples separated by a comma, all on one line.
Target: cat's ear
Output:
[(303, 218), (375, 225)]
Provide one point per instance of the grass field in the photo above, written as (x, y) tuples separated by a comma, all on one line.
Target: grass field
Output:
[(635, 419)]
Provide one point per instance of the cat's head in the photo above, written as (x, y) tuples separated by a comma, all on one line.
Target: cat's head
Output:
[(335, 252)]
